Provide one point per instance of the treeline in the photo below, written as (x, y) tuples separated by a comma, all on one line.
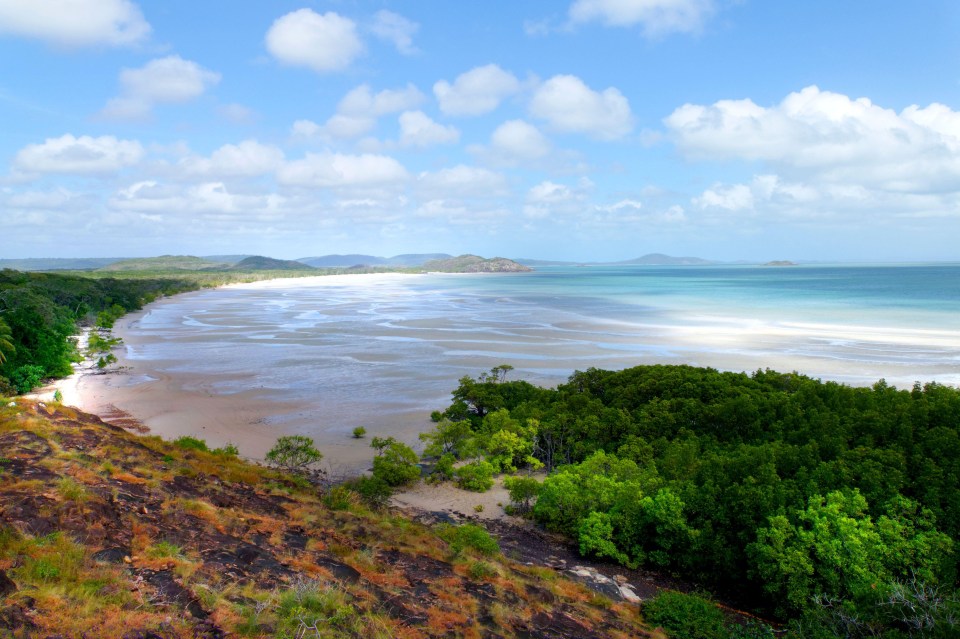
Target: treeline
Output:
[(836, 507), (41, 312)]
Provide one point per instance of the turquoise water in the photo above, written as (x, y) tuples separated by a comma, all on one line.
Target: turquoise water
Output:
[(381, 350)]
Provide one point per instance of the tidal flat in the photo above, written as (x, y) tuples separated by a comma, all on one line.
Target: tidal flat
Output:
[(319, 356)]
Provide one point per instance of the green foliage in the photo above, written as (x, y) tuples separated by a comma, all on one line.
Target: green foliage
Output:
[(40, 312), (447, 437), (294, 453), (731, 479), (523, 490), (227, 450), (58, 396), (396, 464), (186, 442), (359, 432), (444, 469), (476, 476), (7, 347), (374, 491), (26, 378), (469, 536), (106, 360), (685, 616)]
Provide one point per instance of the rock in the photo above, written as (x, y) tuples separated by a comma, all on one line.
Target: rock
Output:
[(12, 405), (111, 556), (6, 584), (628, 594), (620, 579)]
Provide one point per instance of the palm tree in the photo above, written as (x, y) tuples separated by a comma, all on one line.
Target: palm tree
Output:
[(6, 342)]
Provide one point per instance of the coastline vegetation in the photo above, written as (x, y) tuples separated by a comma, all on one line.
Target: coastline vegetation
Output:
[(826, 506)]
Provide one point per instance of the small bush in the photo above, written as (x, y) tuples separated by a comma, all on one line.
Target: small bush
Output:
[(523, 490), (480, 570), (469, 536), (26, 378), (444, 469), (476, 476), (685, 616), (186, 442), (396, 464), (359, 432), (374, 491), (227, 450), (294, 453), (341, 498)]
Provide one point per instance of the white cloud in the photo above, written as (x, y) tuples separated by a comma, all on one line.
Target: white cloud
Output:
[(358, 111), (82, 155), (519, 140), (462, 181), (42, 200), (75, 22), (655, 17), (247, 159), (396, 29), (236, 113), (730, 197), (167, 80), (418, 129), (319, 170), (157, 202), (826, 137), (462, 214), (477, 91), (324, 43), (569, 105)]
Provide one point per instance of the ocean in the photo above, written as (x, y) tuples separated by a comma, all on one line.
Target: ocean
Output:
[(382, 351)]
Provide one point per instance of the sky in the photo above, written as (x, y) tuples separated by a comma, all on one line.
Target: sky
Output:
[(589, 130)]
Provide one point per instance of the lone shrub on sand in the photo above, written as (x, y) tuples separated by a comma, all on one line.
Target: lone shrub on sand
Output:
[(359, 432), (294, 453)]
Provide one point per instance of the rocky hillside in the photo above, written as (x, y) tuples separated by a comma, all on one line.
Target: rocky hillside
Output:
[(104, 533)]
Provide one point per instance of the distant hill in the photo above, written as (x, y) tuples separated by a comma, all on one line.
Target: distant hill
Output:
[(475, 264), (226, 259), (59, 264), (163, 263), (356, 259), (261, 263), (659, 259)]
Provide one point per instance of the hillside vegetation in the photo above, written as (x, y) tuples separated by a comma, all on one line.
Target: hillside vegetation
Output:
[(475, 264), (835, 508), (108, 534)]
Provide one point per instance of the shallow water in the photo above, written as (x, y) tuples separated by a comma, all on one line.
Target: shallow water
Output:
[(382, 351)]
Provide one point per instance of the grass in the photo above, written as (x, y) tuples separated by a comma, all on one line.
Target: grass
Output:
[(70, 593)]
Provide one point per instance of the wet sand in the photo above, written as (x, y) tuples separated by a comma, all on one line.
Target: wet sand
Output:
[(380, 353)]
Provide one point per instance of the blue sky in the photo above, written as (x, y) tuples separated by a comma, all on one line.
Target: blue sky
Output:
[(583, 130)]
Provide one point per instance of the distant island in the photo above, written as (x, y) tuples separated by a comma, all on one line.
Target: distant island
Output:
[(780, 263)]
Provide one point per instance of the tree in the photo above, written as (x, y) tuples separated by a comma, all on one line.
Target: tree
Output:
[(6, 342), (396, 463), (294, 453), (359, 432), (523, 490)]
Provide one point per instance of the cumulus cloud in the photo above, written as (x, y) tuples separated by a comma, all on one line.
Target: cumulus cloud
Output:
[(358, 111), (462, 181), (75, 23), (246, 159), (569, 105), (548, 198), (82, 155), (418, 129), (655, 17), (324, 43), (168, 80), (156, 202), (829, 138), (332, 170), (396, 29), (477, 91), (519, 140)]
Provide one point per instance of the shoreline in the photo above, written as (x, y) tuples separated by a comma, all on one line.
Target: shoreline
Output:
[(142, 397)]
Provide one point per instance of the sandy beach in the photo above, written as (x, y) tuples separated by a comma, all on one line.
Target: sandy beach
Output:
[(247, 363)]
